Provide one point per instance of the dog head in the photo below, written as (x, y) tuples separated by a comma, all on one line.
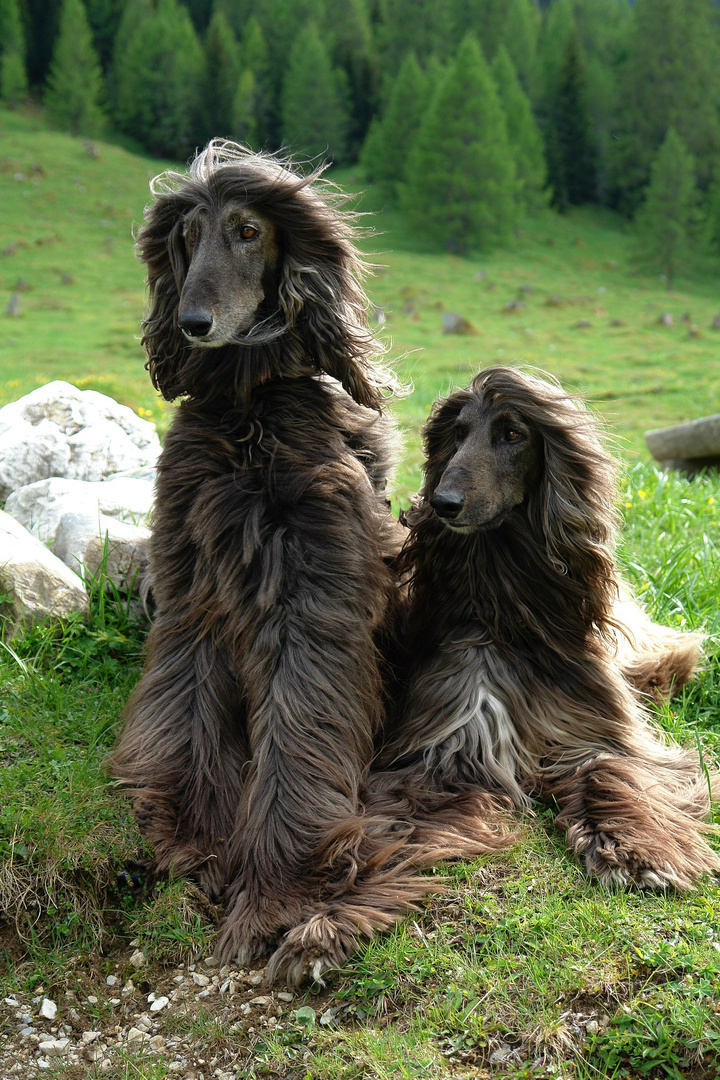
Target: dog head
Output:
[(245, 252), (489, 459), (515, 447)]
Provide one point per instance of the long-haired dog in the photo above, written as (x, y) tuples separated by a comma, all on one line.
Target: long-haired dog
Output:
[(513, 682), (249, 736)]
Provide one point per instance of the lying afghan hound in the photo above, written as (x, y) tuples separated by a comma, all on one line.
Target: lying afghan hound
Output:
[(514, 680), (249, 736)]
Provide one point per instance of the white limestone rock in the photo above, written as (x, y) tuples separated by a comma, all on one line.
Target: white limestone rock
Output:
[(40, 507), (37, 585), (59, 430), (91, 545)]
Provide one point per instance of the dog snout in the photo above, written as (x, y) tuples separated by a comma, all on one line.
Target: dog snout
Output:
[(195, 321), (447, 504)]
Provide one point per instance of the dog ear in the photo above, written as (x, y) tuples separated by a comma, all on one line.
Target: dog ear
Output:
[(439, 438), (572, 509), (161, 246), (323, 303), (320, 293)]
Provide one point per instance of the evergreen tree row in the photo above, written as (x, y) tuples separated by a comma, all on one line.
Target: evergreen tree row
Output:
[(479, 108)]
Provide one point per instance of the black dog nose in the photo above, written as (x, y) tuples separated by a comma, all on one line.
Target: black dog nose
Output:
[(196, 322), (447, 504)]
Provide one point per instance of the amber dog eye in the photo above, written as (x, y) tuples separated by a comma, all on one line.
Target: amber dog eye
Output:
[(460, 432), (513, 436), (248, 231)]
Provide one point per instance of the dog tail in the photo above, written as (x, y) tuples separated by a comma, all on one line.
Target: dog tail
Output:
[(657, 660)]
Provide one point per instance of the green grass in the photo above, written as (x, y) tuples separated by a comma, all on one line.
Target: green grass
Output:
[(75, 215), (524, 969)]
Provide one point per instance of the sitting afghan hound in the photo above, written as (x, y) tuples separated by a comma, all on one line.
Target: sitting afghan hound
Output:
[(249, 736), (514, 679)]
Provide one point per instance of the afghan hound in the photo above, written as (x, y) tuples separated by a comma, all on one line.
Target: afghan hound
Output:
[(513, 681), (248, 739)]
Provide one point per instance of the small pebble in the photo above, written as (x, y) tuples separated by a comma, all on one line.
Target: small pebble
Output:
[(48, 1009), (54, 1048), (159, 1003)]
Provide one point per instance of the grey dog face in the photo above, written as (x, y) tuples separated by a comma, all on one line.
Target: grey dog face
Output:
[(496, 461), (232, 254)]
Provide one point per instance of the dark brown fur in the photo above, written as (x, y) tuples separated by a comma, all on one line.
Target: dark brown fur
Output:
[(248, 739), (513, 683)]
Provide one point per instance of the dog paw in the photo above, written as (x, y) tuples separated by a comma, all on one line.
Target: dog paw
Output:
[(618, 867), (308, 951), (249, 930)]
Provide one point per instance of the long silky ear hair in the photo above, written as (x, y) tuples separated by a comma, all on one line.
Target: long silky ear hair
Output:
[(321, 305), (572, 511), (161, 245)]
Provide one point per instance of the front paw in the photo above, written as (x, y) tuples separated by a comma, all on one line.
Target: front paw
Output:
[(619, 867), (250, 929), (310, 950)]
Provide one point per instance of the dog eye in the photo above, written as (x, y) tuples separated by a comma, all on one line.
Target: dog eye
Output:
[(460, 432), (192, 236), (247, 231), (511, 435)]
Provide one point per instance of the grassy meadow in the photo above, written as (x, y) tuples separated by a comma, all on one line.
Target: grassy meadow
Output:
[(523, 968)]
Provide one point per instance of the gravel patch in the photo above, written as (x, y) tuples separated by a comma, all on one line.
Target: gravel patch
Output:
[(199, 1020)]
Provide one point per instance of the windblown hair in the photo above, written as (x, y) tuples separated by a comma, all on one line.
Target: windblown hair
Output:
[(512, 678), (315, 309), (248, 739)]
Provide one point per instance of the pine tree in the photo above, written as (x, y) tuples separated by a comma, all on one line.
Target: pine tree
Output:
[(571, 149), (350, 43), (460, 188), (711, 212), (137, 14), (557, 28), (220, 79), (314, 113), (484, 19), (604, 27), (524, 136), (42, 19), (669, 80), (667, 220), (245, 126), (391, 134), (75, 84), (161, 68), (254, 61), (13, 73), (104, 17), (425, 26), (520, 35)]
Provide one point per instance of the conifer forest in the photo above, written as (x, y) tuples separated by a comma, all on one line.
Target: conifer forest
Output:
[(467, 114)]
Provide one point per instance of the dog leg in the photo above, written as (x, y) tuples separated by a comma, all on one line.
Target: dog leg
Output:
[(636, 823), (393, 849), (180, 756)]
